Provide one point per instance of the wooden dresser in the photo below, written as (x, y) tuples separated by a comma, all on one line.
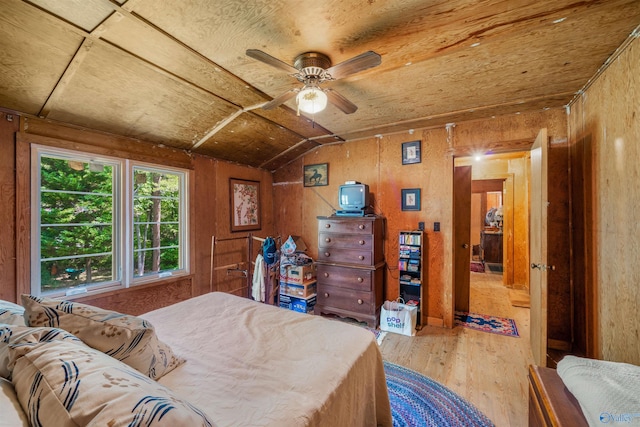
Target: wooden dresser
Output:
[(351, 265)]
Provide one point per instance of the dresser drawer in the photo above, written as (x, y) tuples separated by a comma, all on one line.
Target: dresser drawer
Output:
[(351, 241), (345, 277), (346, 299), (354, 226), (345, 256)]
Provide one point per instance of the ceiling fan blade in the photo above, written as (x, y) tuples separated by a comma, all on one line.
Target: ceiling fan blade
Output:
[(270, 60), (281, 99), (340, 101), (356, 64)]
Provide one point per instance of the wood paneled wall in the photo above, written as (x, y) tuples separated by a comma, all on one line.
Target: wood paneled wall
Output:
[(9, 124), (378, 162), (208, 203), (604, 138)]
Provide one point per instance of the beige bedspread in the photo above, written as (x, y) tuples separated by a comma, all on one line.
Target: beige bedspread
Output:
[(250, 364)]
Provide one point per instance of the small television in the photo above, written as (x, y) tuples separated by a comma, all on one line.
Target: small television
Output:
[(353, 197)]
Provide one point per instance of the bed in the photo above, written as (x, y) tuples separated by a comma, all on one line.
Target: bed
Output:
[(550, 402), (247, 363), (255, 364), (583, 391)]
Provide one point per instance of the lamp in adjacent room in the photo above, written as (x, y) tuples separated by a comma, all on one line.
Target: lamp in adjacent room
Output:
[(311, 99)]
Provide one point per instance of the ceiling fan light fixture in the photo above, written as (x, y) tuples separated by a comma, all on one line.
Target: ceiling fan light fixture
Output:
[(311, 100)]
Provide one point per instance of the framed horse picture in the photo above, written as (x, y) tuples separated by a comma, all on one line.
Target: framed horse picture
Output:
[(316, 175)]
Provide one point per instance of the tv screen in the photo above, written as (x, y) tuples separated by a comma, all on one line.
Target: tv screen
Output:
[(353, 196)]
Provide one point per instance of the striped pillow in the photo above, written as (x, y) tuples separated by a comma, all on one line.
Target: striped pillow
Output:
[(11, 313), (129, 339), (65, 383), (15, 340)]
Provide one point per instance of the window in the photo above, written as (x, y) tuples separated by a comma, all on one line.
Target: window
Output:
[(100, 223), (156, 221)]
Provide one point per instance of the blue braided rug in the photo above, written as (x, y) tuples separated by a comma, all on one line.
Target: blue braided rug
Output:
[(418, 401)]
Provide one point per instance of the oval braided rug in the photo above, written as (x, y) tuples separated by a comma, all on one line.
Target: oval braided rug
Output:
[(418, 401)]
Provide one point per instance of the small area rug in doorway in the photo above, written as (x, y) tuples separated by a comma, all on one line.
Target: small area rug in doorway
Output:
[(482, 322), (418, 401)]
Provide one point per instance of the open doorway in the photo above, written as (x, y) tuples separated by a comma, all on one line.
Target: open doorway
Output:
[(487, 223), (499, 229)]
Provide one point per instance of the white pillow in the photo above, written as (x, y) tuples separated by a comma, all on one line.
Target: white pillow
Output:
[(127, 338), (11, 313), (11, 414), (65, 383), (608, 392)]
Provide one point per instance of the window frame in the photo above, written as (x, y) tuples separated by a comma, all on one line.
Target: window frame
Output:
[(122, 221)]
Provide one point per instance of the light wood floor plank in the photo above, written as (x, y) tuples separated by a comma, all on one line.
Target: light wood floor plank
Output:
[(489, 370)]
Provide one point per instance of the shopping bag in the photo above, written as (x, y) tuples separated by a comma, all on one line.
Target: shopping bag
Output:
[(398, 318)]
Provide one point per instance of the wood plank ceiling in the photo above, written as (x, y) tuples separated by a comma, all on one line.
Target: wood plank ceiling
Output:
[(176, 73)]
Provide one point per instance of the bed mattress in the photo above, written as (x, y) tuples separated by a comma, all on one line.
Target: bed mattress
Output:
[(251, 364)]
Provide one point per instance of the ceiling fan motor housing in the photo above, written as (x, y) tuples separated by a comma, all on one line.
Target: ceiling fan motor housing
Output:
[(312, 64)]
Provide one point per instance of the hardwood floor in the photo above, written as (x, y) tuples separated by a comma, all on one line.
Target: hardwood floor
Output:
[(489, 370)]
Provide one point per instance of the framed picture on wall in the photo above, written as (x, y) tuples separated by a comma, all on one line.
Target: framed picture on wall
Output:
[(245, 204), (316, 175), (411, 152), (410, 199)]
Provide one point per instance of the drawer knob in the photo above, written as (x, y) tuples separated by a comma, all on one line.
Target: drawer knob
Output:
[(361, 242), (327, 239), (361, 226), (326, 294), (327, 254), (361, 257), (360, 301), (327, 226), (326, 274), (360, 280)]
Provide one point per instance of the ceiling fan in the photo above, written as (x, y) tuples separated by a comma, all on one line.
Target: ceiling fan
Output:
[(311, 69)]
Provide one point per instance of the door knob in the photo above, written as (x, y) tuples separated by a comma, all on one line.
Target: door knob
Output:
[(543, 267), (465, 245)]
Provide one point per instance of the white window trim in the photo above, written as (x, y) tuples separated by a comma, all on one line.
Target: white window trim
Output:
[(123, 223), (183, 219)]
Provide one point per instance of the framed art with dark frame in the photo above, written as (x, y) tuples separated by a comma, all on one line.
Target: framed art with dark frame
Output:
[(410, 199), (245, 204), (316, 175), (411, 152)]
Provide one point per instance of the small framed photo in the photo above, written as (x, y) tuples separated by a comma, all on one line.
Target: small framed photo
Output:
[(245, 204), (410, 199), (316, 175), (411, 152)]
